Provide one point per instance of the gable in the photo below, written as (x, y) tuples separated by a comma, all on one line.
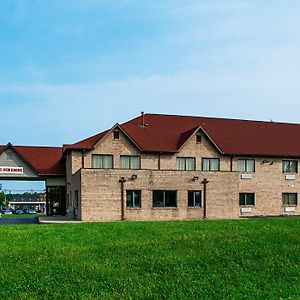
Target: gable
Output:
[(12, 165), (192, 148), (108, 144)]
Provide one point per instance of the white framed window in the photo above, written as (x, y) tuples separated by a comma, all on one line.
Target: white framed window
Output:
[(186, 163), (130, 162), (102, 161), (210, 164), (246, 165)]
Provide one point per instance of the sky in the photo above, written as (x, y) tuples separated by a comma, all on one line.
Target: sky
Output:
[(73, 68)]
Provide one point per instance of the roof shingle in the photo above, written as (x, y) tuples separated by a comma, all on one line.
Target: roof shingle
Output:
[(166, 133)]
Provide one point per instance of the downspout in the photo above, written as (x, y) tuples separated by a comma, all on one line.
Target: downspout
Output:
[(82, 158), (231, 163), (159, 156), (122, 181), (205, 182)]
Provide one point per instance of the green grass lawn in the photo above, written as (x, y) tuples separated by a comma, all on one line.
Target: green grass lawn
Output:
[(240, 259)]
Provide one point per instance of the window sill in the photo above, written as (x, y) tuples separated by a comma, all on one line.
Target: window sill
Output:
[(102, 168), (246, 172), (194, 207), (133, 208), (165, 208)]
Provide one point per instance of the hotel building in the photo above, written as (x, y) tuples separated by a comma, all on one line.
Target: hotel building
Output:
[(165, 167)]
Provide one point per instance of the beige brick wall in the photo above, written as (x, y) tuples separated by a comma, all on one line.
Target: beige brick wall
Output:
[(122, 146), (76, 161), (101, 194), (268, 183), (198, 150), (101, 190), (73, 165), (75, 186)]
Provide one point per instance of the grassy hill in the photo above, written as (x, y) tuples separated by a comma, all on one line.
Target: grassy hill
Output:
[(240, 259)]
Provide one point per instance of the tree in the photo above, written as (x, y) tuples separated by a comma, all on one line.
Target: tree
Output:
[(9, 197), (2, 199)]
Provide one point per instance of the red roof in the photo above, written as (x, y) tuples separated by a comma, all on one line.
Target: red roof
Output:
[(167, 133), (88, 143), (44, 160)]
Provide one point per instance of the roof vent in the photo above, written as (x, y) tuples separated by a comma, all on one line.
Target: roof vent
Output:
[(9, 152), (143, 119)]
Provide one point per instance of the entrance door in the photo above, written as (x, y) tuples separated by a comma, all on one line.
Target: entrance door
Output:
[(56, 200)]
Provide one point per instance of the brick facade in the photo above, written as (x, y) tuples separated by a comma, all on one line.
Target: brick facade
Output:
[(100, 190)]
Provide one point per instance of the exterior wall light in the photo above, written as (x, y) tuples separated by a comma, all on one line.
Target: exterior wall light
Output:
[(195, 178), (133, 177)]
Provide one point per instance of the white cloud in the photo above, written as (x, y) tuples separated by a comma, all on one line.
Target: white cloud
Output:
[(77, 109), (231, 59)]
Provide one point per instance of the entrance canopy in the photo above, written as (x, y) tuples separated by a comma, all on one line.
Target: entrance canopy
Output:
[(28, 163), (31, 162)]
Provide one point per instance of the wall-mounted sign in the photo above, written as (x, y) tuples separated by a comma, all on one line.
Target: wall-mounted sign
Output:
[(11, 170)]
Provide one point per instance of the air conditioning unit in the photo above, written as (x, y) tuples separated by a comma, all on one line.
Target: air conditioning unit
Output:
[(289, 209), (290, 177), (246, 176), (246, 209)]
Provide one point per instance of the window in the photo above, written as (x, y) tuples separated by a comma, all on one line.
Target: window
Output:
[(210, 164), (116, 135), (290, 166), (246, 165), (198, 138), (76, 204), (100, 161), (289, 198), (247, 199), (194, 198), (185, 163), (130, 162), (164, 198), (133, 198)]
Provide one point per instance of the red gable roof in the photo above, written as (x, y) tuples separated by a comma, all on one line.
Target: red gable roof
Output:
[(44, 160), (88, 143), (166, 133)]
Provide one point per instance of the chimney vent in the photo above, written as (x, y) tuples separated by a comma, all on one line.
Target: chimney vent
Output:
[(143, 118)]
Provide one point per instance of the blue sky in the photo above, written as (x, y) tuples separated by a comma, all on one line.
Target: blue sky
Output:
[(70, 69)]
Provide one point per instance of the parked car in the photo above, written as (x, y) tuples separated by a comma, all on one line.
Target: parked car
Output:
[(7, 211), (18, 211), (31, 211)]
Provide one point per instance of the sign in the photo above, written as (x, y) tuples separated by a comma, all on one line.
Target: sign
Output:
[(11, 170)]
